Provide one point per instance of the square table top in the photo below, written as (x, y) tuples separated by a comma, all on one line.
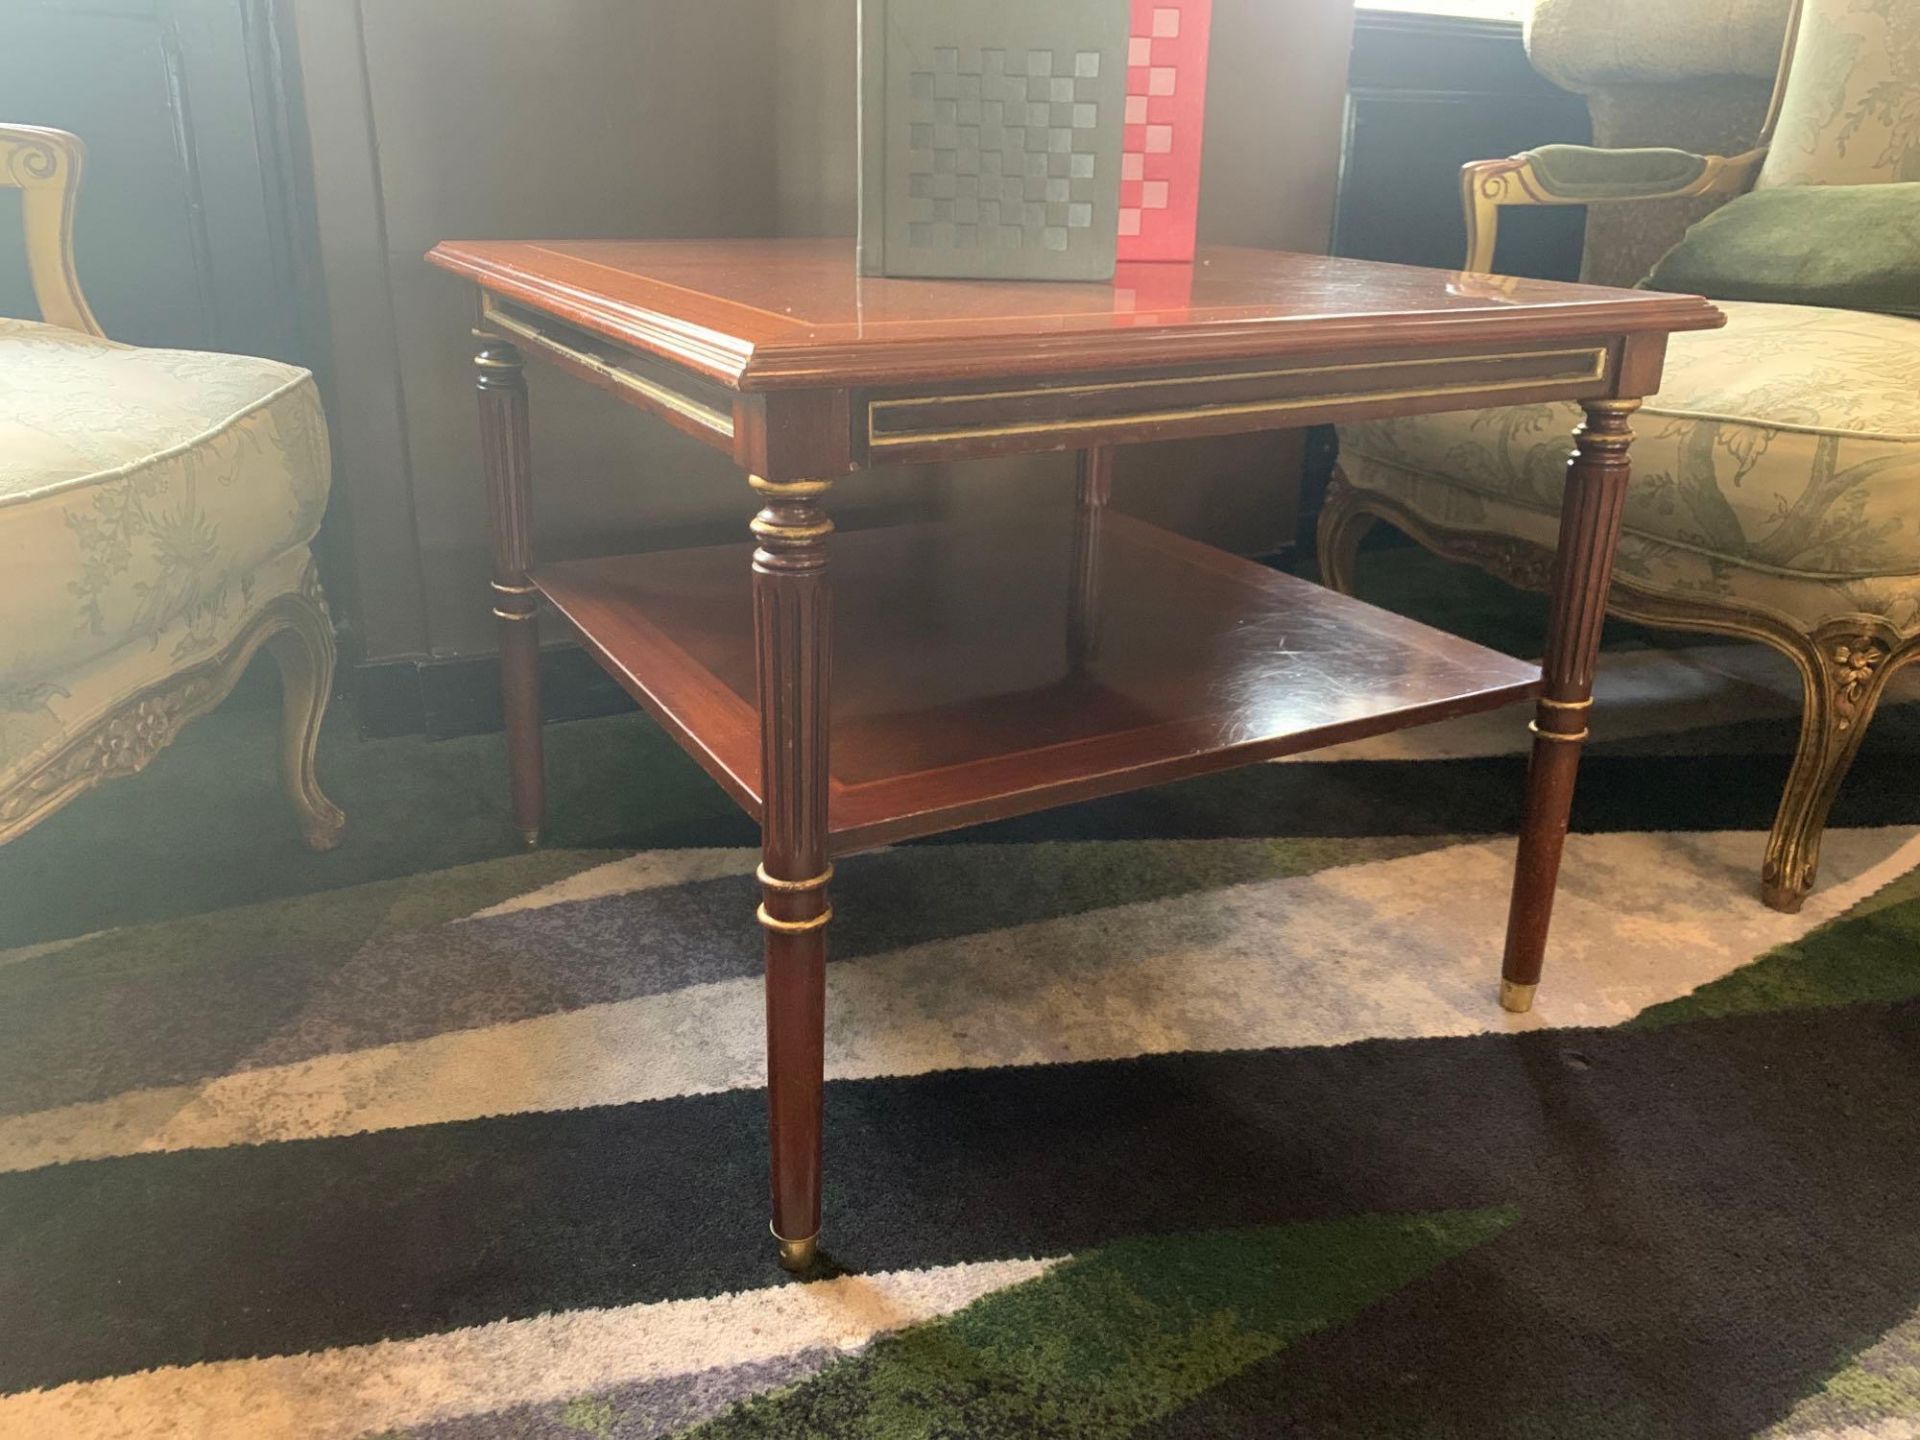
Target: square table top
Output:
[(773, 314)]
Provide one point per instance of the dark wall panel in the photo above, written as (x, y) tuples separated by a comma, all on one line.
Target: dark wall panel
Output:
[(182, 237), (1426, 95), (433, 119)]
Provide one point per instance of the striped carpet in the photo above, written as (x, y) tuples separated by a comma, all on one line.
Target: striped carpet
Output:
[(1185, 1114)]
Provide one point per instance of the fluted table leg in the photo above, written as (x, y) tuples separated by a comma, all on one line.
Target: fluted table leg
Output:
[(1093, 484), (1583, 570), (793, 623), (508, 453)]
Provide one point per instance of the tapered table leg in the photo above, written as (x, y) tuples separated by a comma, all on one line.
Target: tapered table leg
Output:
[(1583, 571), (508, 452), (792, 623)]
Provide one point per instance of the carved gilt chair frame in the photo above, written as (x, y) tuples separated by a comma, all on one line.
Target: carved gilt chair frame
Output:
[(1844, 663), (46, 166)]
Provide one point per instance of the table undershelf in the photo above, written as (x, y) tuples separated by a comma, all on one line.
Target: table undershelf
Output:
[(957, 693)]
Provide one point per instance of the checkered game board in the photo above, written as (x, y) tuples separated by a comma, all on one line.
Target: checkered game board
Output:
[(1000, 148), (1166, 111)]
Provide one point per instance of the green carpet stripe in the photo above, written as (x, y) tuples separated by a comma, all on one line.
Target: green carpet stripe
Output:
[(1876, 1394), (1116, 1338), (1871, 955)]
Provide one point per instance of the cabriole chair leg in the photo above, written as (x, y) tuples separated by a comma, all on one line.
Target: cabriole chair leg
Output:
[(1844, 669), (1344, 523), (304, 651)]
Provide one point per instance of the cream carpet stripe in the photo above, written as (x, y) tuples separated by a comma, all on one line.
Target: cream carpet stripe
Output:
[(44, 947), (1403, 948), (365, 1389), (648, 870)]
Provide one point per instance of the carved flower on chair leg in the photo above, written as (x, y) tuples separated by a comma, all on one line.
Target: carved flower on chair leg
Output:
[(1853, 664), (134, 737)]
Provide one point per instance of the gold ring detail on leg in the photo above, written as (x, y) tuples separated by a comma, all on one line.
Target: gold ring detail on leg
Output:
[(793, 927), (1516, 997), (790, 489), (516, 615), (504, 589), (796, 1256), (1574, 738), (792, 887), (774, 530), (1586, 704)]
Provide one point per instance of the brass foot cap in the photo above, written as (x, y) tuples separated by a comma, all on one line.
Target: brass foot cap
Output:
[(1515, 997), (797, 1256), (531, 837)]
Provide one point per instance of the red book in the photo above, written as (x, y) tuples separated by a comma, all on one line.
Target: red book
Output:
[(1166, 115)]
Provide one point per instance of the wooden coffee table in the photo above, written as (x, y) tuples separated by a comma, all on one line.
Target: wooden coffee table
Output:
[(904, 681)]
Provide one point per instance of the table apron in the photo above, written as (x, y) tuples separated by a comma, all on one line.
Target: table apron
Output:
[(810, 436), (905, 427), (683, 399)]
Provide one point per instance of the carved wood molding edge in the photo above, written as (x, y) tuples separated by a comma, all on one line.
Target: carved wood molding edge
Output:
[(1529, 566), (125, 740)]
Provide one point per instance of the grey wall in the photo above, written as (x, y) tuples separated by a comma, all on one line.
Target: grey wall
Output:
[(438, 118)]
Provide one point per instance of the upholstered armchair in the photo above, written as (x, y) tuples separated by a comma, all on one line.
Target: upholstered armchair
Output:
[(1776, 485), (155, 513), (1692, 75)]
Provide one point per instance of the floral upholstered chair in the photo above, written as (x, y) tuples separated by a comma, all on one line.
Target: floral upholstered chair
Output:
[(155, 513), (1776, 477)]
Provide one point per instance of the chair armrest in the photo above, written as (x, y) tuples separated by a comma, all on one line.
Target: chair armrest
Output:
[(45, 166), (1584, 175)]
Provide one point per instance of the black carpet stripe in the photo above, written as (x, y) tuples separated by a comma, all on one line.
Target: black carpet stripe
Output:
[(1734, 1204)]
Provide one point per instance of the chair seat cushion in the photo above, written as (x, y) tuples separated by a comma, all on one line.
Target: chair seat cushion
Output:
[(139, 489), (1789, 441)]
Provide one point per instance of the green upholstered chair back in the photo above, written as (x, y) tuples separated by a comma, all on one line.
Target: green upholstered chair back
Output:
[(1850, 111)]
